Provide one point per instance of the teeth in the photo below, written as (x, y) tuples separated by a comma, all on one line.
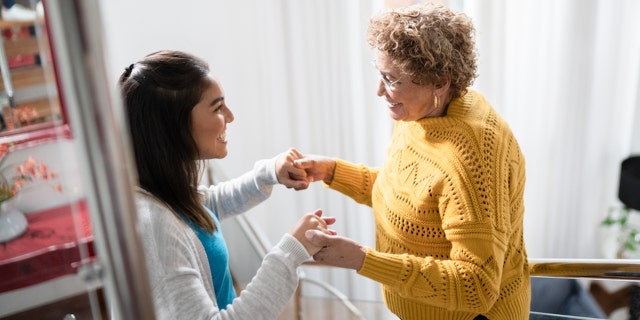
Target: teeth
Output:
[(392, 103), (223, 137)]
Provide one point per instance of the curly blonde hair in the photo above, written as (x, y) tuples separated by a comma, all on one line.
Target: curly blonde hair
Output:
[(428, 42)]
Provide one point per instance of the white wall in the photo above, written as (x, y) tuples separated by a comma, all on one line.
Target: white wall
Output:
[(136, 28)]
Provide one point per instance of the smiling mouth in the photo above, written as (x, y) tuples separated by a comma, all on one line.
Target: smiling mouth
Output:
[(222, 137), (391, 105)]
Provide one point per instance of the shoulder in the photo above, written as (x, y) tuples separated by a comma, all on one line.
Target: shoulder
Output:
[(471, 106), (151, 211), (160, 226), (474, 113)]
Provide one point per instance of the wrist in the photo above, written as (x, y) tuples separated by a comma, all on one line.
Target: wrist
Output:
[(330, 173), (363, 255)]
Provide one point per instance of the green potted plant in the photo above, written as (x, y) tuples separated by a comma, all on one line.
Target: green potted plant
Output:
[(628, 239)]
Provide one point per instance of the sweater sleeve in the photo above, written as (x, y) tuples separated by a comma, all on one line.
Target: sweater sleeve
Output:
[(354, 180), (462, 283), (240, 194)]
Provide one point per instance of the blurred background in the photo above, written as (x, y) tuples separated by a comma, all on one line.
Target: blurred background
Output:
[(564, 74), (297, 73)]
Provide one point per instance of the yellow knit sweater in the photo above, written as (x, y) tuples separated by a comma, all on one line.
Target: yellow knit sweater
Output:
[(448, 206)]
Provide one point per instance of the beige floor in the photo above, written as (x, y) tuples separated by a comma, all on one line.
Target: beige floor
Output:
[(333, 309)]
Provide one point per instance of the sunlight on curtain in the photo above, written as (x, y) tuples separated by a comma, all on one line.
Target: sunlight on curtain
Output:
[(312, 87), (565, 75)]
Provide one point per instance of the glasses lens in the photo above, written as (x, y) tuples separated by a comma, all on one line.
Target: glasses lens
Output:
[(391, 85)]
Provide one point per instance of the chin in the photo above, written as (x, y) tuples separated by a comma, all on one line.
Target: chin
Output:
[(221, 155), (218, 154), (395, 116)]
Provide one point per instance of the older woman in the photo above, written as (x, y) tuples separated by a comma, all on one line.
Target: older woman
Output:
[(448, 200)]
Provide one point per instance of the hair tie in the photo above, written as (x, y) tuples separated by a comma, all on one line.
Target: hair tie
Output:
[(127, 71)]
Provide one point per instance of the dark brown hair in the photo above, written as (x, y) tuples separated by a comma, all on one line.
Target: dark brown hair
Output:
[(159, 93)]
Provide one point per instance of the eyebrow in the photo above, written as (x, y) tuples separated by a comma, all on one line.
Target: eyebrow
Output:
[(216, 100), (384, 73)]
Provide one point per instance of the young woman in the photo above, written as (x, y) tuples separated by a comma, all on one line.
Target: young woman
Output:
[(177, 117)]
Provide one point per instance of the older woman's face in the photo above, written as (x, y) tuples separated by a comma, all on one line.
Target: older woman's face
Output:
[(209, 120), (406, 100)]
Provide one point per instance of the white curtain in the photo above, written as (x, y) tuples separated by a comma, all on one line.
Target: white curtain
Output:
[(565, 74), (312, 86)]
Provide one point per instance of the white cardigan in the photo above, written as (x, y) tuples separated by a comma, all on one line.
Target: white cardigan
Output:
[(179, 272)]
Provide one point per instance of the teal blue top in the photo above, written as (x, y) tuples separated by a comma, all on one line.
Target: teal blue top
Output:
[(218, 256)]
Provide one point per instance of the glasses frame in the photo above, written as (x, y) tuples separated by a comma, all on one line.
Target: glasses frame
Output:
[(388, 84)]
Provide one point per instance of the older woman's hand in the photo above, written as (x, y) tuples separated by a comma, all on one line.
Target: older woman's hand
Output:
[(316, 167), (337, 251)]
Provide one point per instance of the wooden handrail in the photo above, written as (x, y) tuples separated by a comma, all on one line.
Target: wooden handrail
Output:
[(586, 268)]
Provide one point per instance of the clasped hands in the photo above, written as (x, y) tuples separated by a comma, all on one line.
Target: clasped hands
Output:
[(296, 170)]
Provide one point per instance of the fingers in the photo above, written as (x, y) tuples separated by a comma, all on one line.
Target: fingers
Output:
[(297, 154), (313, 222), (294, 172), (297, 184), (317, 237), (329, 220), (303, 163), (288, 174)]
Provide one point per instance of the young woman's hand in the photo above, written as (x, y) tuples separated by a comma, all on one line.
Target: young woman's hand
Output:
[(312, 221), (288, 174)]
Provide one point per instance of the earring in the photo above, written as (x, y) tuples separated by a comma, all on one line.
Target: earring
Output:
[(435, 102)]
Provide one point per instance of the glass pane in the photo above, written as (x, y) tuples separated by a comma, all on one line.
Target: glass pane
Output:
[(584, 298), (541, 316), (28, 97), (46, 238)]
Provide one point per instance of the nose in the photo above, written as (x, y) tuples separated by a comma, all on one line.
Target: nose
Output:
[(229, 115), (382, 89)]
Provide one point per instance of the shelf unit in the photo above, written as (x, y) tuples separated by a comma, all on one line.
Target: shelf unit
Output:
[(28, 82)]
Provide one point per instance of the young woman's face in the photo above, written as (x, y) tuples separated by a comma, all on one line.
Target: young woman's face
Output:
[(209, 120), (406, 100)]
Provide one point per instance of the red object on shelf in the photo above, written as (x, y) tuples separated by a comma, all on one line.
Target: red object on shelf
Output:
[(23, 60), (18, 32), (50, 248)]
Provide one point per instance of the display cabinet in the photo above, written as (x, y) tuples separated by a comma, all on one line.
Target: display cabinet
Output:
[(28, 93), (80, 257)]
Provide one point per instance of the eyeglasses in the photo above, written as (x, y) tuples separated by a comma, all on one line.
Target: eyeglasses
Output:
[(390, 85)]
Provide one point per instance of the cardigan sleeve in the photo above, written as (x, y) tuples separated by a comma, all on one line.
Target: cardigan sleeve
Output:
[(180, 276), (240, 194)]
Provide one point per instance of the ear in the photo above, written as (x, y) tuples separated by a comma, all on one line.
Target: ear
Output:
[(441, 87)]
